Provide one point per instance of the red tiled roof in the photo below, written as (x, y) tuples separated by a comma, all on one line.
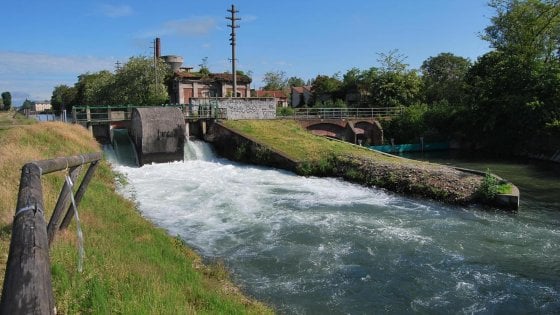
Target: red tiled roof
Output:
[(302, 89)]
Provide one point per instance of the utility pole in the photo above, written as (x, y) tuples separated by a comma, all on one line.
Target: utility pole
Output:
[(233, 18)]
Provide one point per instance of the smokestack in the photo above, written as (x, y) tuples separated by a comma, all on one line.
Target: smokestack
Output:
[(158, 48)]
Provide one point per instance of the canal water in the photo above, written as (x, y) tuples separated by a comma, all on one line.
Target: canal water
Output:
[(310, 245)]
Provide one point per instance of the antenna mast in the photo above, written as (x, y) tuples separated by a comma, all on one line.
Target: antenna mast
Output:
[(233, 18)]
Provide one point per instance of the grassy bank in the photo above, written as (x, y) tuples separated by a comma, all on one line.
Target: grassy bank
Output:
[(130, 266), (323, 157)]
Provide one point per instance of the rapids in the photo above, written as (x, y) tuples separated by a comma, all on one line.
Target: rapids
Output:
[(309, 245)]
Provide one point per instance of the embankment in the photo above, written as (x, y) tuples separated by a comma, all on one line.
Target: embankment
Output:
[(130, 266), (286, 145)]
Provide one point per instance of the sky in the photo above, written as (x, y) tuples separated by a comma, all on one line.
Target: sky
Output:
[(47, 43)]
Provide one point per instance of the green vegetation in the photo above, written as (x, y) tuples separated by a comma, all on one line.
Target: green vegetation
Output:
[(130, 266), (6, 103), (319, 156), (136, 82), (295, 142), (505, 102), (492, 187), (284, 111), (11, 119)]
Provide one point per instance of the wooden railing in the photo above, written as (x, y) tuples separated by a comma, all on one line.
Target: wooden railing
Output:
[(27, 283)]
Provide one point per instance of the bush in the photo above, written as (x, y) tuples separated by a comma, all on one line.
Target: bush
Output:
[(284, 111)]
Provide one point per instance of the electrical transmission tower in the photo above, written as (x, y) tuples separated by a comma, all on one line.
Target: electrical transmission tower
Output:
[(233, 18)]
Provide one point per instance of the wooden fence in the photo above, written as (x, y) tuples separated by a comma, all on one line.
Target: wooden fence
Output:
[(27, 283)]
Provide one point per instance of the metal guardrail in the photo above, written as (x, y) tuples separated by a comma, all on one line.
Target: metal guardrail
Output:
[(113, 113), (210, 110), (344, 113), (27, 283)]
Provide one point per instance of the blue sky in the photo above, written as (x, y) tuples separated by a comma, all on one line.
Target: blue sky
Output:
[(47, 43)]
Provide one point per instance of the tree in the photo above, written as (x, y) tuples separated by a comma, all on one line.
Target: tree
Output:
[(393, 84), (27, 104), (7, 100), (1, 104), (513, 90), (275, 80), (443, 78), (325, 88), (63, 97), (527, 29), (95, 88), (295, 81), (138, 83), (204, 70)]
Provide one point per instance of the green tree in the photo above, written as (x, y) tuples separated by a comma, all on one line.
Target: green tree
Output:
[(443, 78), (138, 83), (7, 100), (95, 88), (393, 84), (275, 80), (526, 29), (27, 104), (1, 104), (326, 88), (204, 70), (295, 81), (514, 89), (63, 97)]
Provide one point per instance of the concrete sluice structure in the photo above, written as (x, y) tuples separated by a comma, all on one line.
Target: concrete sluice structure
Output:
[(158, 134)]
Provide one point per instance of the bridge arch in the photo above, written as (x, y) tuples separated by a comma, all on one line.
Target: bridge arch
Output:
[(361, 130)]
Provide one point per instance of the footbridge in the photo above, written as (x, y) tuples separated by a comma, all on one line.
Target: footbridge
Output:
[(156, 133)]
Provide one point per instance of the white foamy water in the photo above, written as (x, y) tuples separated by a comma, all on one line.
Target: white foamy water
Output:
[(319, 245)]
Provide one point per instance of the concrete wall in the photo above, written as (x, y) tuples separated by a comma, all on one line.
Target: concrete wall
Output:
[(240, 108), (158, 134), (234, 146)]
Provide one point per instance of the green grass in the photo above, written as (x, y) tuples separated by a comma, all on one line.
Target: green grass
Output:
[(288, 137), (130, 266)]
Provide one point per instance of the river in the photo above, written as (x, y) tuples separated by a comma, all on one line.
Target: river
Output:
[(309, 245)]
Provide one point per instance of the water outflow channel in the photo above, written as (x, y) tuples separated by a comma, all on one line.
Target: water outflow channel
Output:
[(318, 245)]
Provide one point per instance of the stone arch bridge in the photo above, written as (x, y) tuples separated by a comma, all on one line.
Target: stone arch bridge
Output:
[(354, 130)]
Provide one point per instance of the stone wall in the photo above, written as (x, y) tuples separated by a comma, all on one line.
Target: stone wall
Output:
[(240, 108)]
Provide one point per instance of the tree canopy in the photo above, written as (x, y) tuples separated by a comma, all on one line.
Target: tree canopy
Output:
[(7, 100), (136, 82), (443, 78), (275, 80)]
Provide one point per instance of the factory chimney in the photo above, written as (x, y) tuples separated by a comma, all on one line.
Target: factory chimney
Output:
[(158, 48)]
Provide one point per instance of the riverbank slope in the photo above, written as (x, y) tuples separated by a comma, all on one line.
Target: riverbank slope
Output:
[(285, 144), (130, 266)]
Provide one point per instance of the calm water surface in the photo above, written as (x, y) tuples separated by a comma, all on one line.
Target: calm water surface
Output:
[(314, 246)]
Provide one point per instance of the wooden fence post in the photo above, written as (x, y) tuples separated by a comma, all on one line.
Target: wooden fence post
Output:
[(61, 205), (28, 286)]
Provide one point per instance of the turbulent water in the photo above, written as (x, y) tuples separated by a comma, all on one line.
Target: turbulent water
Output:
[(313, 246)]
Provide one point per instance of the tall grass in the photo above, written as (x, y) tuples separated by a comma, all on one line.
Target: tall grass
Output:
[(130, 266)]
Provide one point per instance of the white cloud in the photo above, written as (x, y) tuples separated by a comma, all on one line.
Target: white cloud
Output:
[(247, 18), (35, 75), (115, 11), (196, 26)]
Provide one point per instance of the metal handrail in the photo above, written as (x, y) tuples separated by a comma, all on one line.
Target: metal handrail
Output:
[(27, 285), (344, 113)]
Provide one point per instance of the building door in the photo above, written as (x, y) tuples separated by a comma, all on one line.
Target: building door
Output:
[(187, 94)]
